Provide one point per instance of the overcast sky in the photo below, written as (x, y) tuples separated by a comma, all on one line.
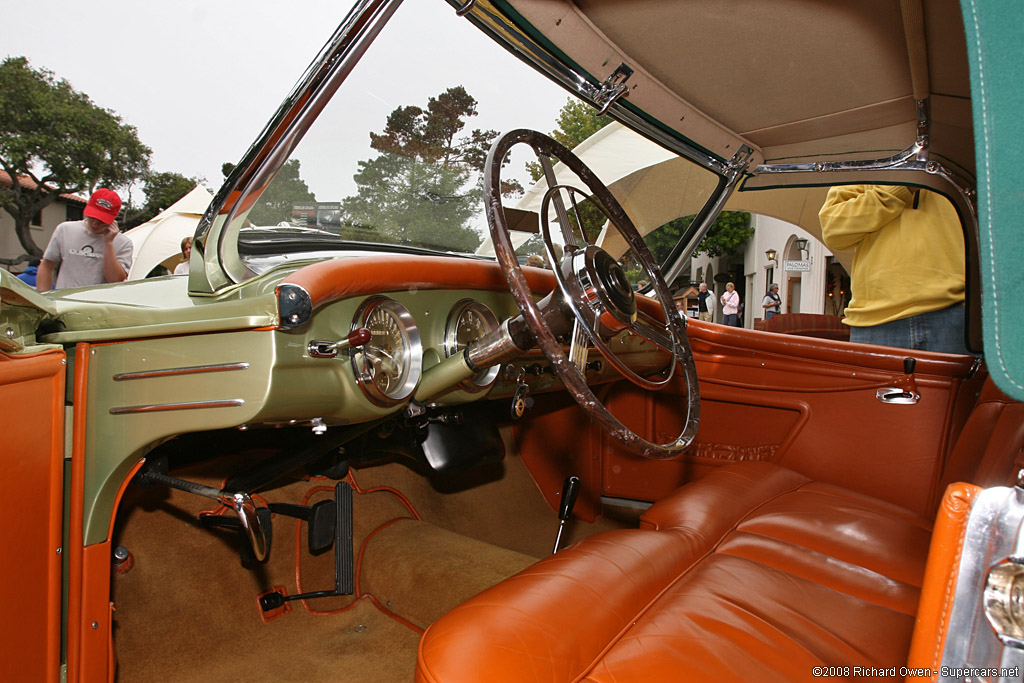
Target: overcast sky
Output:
[(199, 80)]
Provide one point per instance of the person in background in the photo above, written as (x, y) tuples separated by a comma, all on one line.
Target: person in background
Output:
[(28, 276), (186, 253), (91, 251), (731, 305), (704, 311), (772, 302), (535, 260), (907, 281)]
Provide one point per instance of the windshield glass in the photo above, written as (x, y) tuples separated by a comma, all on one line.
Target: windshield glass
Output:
[(395, 160)]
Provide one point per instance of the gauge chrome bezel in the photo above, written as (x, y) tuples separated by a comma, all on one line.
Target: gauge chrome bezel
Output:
[(413, 355), (484, 378)]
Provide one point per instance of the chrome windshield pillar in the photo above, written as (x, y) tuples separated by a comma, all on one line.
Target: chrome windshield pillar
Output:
[(216, 239)]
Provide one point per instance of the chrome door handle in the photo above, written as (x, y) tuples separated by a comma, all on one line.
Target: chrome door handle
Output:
[(897, 396)]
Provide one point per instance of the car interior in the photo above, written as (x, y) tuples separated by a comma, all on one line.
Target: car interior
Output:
[(411, 465)]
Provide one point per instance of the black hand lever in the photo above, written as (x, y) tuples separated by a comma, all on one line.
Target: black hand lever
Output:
[(570, 490)]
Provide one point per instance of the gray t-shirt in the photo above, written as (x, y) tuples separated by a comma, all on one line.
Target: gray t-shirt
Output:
[(79, 254)]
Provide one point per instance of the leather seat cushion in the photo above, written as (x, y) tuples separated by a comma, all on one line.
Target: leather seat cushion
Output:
[(752, 571)]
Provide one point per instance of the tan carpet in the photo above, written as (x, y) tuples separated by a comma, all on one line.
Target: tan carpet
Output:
[(188, 611)]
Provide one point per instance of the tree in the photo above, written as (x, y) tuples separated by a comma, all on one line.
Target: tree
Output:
[(161, 190), (425, 185), (59, 139), (276, 202), (724, 238), (577, 121)]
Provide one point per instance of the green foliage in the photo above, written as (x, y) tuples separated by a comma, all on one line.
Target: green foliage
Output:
[(577, 121), (60, 139), (425, 186), (405, 200), (276, 203), (162, 190), (725, 237)]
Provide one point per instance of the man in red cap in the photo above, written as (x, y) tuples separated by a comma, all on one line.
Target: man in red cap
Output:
[(91, 251)]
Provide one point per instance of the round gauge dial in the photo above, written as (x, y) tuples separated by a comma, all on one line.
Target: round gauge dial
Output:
[(387, 367), (468, 321)]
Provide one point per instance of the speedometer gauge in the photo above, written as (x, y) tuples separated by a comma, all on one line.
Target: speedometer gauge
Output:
[(468, 321), (388, 367)]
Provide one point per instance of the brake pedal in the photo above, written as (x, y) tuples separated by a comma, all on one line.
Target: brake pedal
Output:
[(321, 520)]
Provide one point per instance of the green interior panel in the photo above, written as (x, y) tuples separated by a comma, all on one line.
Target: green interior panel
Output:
[(994, 50)]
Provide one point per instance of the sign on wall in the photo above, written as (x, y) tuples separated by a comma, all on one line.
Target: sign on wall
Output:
[(800, 266)]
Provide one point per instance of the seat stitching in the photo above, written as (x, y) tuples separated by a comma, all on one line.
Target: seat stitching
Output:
[(951, 579)]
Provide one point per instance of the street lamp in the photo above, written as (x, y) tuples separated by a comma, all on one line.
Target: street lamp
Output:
[(801, 244), (771, 253)]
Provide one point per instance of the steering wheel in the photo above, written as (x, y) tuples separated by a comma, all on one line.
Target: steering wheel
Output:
[(594, 300)]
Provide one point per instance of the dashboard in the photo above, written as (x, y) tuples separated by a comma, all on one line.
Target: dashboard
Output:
[(411, 332)]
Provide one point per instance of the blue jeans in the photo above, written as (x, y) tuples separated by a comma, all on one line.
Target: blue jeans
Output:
[(730, 319), (769, 314), (941, 330)]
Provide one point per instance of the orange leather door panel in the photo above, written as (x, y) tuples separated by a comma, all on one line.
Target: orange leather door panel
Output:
[(32, 396), (807, 404)]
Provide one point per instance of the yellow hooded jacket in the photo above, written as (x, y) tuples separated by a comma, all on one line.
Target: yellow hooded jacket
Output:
[(909, 256)]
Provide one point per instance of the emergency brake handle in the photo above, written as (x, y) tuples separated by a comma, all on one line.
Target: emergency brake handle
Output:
[(570, 491)]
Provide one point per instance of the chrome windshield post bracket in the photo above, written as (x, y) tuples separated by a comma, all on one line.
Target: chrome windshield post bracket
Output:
[(465, 9), (611, 89)]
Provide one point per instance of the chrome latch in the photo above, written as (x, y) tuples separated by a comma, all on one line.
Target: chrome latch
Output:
[(329, 349), (897, 396), (612, 89)]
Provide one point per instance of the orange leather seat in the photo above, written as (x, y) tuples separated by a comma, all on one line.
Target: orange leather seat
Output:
[(754, 571)]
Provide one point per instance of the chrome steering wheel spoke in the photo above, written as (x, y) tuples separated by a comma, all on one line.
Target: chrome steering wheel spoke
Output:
[(594, 288)]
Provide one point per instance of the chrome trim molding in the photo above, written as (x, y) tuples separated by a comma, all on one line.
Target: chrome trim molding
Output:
[(188, 405), (188, 370)]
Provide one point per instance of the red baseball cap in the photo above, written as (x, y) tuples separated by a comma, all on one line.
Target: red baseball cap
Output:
[(104, 205)]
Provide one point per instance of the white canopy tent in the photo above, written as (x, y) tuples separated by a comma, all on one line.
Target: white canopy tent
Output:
[(656, 186), (158, 241)]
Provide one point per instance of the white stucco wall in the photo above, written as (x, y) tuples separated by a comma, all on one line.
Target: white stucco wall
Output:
[(10, 247), (770, 233)]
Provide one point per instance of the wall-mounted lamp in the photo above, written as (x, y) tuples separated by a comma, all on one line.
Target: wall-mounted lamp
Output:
[(771, 254), (801, 244)]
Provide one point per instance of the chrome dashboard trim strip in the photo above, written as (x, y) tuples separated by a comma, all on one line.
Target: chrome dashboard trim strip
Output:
[(188, 405), (189, 370)]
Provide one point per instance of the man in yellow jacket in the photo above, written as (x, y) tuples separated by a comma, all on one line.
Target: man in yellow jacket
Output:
[(908, 266)]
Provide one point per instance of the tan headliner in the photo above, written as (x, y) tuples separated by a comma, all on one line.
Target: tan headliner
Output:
[(827, 78)]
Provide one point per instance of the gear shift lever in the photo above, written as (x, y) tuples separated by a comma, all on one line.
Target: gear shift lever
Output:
[(570, 490)]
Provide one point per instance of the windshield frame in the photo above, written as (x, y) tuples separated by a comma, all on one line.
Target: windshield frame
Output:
[(218, 265)]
